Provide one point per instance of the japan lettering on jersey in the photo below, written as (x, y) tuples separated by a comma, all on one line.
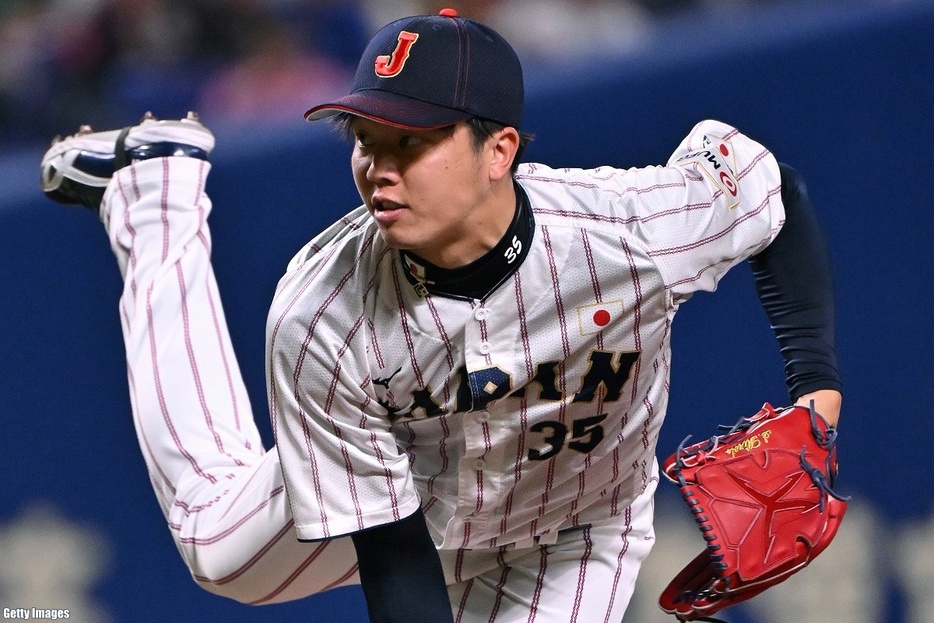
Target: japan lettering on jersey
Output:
[(535, 409)]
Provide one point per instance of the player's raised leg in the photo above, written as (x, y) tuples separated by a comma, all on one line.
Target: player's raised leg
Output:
[(221, 492)]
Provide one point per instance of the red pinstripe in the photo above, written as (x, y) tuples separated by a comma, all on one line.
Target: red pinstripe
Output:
[(623, 220), (149, 451), (193, 363), (566, 349), (462, 606), (479, 501), (218, 328), (720, 234), (598, 296), (443, 334), (195, 347), (294, 575), (459, 566), (232, 528), (752, 164), (500, 584), (165, 208), (406, 330), (273, 389), (637, 316), (374, 343), (524, 403), (157, 378), (619, 564), (127, 224), (387, 474), (260, 553), (296, 375), (582, 576), (635, 256), (592, 186), (539, 583), (345, 453), (466, 532), (445, 427)]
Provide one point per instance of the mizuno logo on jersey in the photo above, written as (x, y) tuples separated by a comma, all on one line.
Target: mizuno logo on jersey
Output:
[(718, 164)]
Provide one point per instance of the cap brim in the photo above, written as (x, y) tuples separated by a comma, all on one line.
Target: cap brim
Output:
[(390, 108)]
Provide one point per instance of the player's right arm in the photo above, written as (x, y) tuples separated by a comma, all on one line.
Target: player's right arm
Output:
[(343, 471)]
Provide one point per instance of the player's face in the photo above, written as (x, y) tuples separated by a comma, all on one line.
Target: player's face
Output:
[(430, 191)]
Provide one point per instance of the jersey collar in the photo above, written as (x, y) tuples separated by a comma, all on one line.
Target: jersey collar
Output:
[(484, 275)]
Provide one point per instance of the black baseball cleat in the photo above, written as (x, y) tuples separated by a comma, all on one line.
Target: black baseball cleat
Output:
[(77, 169)]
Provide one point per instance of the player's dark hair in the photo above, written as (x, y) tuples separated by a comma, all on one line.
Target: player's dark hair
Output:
[(480, 131), (343, 123)]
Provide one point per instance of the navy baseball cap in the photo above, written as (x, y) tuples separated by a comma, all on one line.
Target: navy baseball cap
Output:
[(431, 71)]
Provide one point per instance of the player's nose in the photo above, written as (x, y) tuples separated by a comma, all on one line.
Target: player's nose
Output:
[(382, 168)]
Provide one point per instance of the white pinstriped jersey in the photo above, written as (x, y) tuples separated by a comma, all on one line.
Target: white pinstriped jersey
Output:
[(535, 409)]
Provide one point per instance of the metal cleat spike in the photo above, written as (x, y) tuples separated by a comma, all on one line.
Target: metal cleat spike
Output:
[(85, 129), (56, 139), (193, 116), (148, 117)]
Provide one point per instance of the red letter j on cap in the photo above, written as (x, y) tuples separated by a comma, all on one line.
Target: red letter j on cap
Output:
[(389, 66)]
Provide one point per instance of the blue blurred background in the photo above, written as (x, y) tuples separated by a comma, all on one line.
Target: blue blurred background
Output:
[(843, 91)]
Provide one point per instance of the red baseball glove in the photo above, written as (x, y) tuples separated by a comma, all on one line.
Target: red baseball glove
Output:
[(761, 494)]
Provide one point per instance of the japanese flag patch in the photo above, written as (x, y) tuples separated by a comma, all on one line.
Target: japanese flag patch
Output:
[(593, 319), (717, 162)]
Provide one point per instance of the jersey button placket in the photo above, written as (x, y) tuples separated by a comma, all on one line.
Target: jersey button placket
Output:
[(481, 314), (472, 465)]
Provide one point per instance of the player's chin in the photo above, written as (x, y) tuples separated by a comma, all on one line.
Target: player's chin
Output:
[(395, 237), (397, 232)]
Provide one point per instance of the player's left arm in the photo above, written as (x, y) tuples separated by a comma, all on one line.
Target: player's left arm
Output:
[(795, 286), (794, 282)]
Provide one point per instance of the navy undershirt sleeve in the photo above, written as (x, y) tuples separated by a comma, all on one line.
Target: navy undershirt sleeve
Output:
[(401, 574), (795, 285)]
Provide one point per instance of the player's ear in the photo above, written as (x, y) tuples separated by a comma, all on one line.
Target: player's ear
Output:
[(503, 147)]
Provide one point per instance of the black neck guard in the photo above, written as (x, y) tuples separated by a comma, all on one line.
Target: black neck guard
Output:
[(481, 277)]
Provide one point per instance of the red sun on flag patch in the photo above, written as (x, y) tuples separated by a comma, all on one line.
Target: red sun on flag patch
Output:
[(602, 317), (598, 316), (416, 270)]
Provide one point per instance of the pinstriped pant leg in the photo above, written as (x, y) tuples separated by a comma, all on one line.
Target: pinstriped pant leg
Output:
[(222, 494)]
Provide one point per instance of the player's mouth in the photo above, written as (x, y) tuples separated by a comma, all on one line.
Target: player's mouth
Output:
[(386, 212)]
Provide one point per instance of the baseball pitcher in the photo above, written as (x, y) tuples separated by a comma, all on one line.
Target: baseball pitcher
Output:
[(468, 373)]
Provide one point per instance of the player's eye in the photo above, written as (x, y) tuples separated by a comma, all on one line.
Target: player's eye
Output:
[(363, 140), (409, 140)]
